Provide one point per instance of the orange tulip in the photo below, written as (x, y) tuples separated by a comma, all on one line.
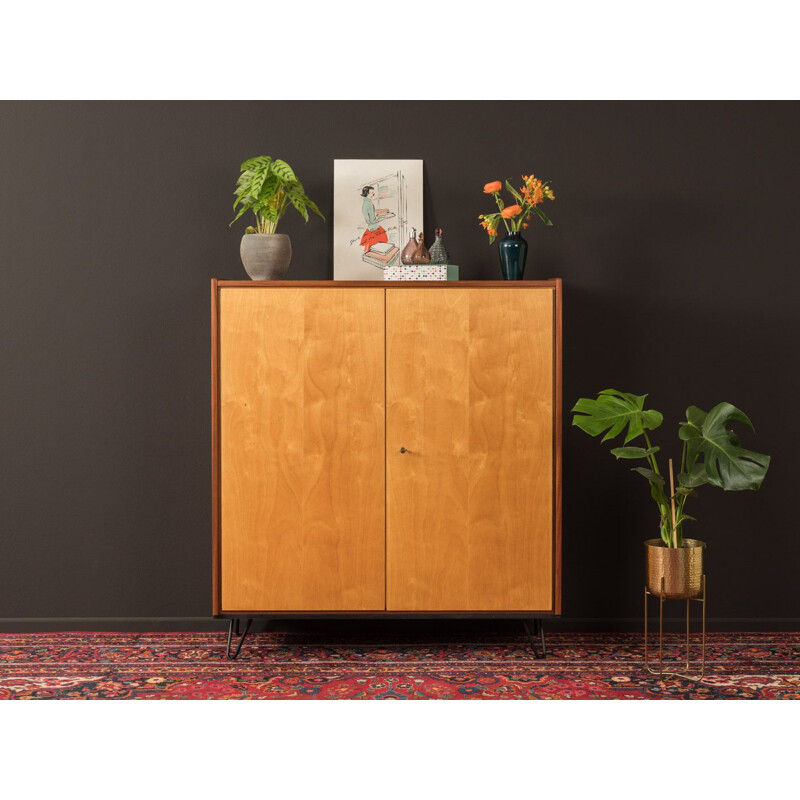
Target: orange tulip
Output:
[(511, 211), (492, 188)]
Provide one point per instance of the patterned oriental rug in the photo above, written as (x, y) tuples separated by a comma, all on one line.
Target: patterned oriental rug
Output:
[(322, 665)]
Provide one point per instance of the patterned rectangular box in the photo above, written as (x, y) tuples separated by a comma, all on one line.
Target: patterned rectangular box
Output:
[(417, 272)]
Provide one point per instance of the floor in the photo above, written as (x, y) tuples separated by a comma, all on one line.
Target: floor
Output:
[(314, 662)]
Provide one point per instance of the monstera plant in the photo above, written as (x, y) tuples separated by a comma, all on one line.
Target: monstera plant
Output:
[(711, 453)]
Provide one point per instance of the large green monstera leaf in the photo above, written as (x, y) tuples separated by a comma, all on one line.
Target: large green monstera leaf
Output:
[(714, 454), (611, 413)]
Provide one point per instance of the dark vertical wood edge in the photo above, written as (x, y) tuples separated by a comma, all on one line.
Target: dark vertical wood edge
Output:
[(385, 458), (215, 478), (557, 426)]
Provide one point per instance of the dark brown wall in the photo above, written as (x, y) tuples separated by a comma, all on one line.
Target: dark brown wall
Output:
[(675, 234)]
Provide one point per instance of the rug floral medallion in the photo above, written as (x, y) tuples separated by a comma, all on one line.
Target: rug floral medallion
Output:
[(318, 666)]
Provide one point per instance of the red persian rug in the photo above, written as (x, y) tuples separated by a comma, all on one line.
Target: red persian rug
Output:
[(320, 666)]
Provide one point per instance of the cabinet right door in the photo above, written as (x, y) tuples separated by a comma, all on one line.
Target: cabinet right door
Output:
[(469, 449)]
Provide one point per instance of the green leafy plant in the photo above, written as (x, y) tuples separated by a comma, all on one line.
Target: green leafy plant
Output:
[(711, 454), (267, 187)]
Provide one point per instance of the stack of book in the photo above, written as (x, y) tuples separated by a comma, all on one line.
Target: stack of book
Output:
[(382, 255)]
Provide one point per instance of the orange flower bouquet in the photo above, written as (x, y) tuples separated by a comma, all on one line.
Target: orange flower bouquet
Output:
[(515, 217)]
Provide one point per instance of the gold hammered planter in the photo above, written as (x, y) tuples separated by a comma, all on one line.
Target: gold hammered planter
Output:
[(680, 568)]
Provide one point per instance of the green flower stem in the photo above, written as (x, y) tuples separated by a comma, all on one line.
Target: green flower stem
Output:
[(501, 206)]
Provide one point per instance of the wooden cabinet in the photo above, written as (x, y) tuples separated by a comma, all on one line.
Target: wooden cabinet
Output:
[(386, 448)]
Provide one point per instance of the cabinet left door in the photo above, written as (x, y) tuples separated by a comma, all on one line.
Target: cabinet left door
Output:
[(301, 449)]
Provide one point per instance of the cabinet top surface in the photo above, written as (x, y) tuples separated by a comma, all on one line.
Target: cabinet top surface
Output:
[(551, 283)]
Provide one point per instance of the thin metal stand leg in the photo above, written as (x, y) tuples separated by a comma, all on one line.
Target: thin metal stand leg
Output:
[(646, 609), (538, 630), (703, 669), (661, 630), (235, 623), (672, 673), (687, 637)]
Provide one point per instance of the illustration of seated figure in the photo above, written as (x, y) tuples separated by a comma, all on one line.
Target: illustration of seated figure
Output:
[(374, 232)]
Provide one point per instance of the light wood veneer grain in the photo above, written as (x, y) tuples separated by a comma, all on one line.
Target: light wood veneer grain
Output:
[(301, 449), (470, 396)]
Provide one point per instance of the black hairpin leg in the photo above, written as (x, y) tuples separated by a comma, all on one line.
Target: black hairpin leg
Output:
[(234, 625), (538, 629)]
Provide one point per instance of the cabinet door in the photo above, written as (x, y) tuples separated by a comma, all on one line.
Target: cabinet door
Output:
[(302, 425), (470, 398)]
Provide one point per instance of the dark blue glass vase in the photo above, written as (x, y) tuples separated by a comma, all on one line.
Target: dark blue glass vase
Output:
[(513, 252)]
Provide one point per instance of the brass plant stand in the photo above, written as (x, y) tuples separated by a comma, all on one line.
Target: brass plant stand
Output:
[(700, 598)]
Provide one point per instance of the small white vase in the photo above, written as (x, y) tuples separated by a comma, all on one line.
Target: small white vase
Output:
[(266, 256)]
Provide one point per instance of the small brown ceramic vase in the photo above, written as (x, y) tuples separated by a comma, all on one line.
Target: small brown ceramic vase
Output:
[(407, 256), (421, 254)]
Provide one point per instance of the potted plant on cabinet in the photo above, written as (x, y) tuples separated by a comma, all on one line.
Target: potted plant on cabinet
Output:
[(267, 187), (711, 454)]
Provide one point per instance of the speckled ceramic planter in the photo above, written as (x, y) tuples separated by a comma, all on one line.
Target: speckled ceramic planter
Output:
[(266, 256)]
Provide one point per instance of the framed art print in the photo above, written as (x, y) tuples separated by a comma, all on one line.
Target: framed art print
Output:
[(376, 204)]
